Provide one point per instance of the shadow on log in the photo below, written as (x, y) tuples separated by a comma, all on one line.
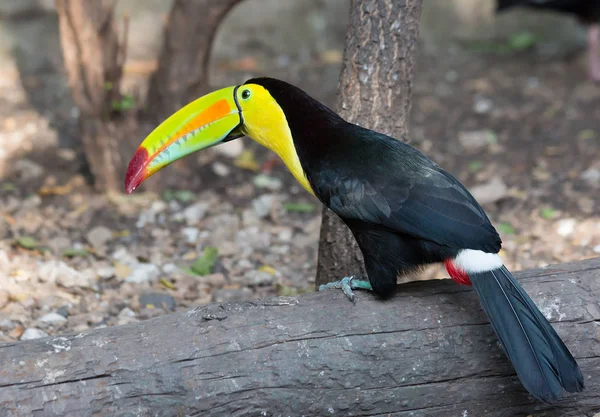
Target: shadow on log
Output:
[(429, 351)]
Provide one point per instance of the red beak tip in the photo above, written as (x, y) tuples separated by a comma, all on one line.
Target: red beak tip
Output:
[(135, 171)]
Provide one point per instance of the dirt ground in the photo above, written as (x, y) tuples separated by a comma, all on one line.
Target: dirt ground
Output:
[(522, 132)]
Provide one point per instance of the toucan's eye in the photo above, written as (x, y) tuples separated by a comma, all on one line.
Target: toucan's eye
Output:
[(246, 94)]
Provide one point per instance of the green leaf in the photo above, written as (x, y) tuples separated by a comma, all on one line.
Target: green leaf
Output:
[(72, 253), (506, 228), (521, 41), (548, 213), (204, 264), (183, 196), (27, 242), (299, 207), (475, 166), (8, 186)]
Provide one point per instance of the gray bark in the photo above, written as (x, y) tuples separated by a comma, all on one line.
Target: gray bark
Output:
[(375, 92), (428, 351)]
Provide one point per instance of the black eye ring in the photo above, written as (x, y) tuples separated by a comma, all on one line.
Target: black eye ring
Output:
[(246, 94)]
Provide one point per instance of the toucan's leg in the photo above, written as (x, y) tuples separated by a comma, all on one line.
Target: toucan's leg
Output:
[(593, 52), (348, 284)]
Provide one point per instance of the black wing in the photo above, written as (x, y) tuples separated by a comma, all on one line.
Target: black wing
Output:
[(386, 182)]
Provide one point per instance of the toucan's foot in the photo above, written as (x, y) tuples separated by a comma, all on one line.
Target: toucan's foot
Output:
[(348, 284)]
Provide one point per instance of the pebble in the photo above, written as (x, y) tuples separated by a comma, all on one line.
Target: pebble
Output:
[(53, 319), (157, 300), (148, 216), (4, 298), (194, 213), (106, 272), (170, 268), (59, 244), (220, 296), (143, 273), (258, 278), (99, 236), (263, 205), (591, 176), (220, 169), (190, 234), (597, 249), (490, 192), (474, 140), (482, 105), (232, 149), (33, 333), (60, 273), (566, 227), (126, 312), (27, 170), (7, 325), (268, 182)]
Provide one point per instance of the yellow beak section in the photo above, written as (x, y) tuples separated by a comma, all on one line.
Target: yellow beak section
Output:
[(203, 123)]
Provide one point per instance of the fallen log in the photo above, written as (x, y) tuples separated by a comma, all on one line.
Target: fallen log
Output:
[(429, 351)]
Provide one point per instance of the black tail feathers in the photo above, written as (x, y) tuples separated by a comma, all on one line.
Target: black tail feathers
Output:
[(542, 361)]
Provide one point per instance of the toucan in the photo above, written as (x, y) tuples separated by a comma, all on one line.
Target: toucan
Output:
[(403, 209)]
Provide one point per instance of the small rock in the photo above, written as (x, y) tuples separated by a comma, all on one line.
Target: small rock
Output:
[(17, 332), (170, 268), (122, 256), (106, 272), (286, 234), (223, 295), (126, 312), (59, 244), (258, 278), (475, 139), (482, 105), (591, 176), (194, 213), (157, 300), (33, 333), (52, 319), (596, 249), (190, 234), (99, 236), (59, 272), (63, 311), (7, 325), (4, 298), (232, 149), (148, 216), (566, 227), (214, 280), (143, 273), (268, 182), (492, 191), (263, 205), (220, 169), (28, 170)]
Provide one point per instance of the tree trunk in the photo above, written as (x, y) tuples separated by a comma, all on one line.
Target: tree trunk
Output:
[(94, 58), (375, 92), (428, 351), (182, 73)]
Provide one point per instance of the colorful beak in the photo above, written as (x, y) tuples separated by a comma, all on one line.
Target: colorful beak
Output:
[(205, 122)]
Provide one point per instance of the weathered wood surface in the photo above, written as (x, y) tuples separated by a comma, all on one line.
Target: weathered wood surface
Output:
[(429, 351)]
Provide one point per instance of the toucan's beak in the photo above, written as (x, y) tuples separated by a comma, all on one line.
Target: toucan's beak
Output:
[(205, 122)]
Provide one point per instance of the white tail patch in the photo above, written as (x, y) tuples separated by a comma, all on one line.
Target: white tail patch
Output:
[(474, 261)]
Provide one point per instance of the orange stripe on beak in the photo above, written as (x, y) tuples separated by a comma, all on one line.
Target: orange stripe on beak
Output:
[(218, 110)]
